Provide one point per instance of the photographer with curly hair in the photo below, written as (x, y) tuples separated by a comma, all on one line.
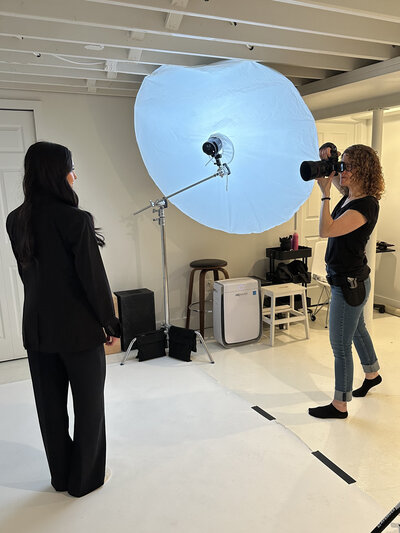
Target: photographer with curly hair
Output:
[(348, 229)]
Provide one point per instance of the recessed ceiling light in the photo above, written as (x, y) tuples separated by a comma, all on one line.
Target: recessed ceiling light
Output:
[(95, 47)]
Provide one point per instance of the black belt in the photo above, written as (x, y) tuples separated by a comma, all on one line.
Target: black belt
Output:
[(341, 280)]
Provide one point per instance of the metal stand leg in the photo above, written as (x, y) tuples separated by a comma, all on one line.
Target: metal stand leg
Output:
[(203, 342), (128, 351), (325, 293), (304, 304)]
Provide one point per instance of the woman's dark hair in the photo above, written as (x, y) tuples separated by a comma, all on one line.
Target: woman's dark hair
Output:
[(46, 166)]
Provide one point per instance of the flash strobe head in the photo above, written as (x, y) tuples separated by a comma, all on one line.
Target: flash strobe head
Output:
[(213, 146)]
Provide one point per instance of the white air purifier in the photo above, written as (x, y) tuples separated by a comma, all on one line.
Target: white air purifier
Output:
[(237, 316)]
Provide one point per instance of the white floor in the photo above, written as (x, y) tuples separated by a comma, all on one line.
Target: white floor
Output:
[(290, 377), (189, 454)]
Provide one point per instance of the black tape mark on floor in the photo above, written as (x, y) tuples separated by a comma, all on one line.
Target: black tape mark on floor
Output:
[(263, 413), (341, 473)]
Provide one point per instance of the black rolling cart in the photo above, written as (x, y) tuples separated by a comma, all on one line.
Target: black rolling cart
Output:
[(276, 254)]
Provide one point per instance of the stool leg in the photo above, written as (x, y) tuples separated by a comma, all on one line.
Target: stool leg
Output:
[(202, 291), (292, 306), (272, 324), (190, 294), (224, 272)]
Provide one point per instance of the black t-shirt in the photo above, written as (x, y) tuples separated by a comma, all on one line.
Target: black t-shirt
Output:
[(346, 254)]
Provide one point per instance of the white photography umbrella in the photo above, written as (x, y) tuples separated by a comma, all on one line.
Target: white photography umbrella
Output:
[(265, 127)]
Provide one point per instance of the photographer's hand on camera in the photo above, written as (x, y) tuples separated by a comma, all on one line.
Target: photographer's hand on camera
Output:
[(325, 183), (324, 155)]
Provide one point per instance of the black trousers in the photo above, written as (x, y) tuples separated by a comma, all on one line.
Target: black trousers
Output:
[(76, 464)]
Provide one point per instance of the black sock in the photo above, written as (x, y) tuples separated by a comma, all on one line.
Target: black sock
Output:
[(368, 384), (326, 411)]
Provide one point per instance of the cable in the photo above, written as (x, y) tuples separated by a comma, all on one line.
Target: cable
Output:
[(77, 62)]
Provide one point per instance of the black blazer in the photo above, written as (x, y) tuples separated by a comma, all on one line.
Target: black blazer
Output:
[(68, 300)]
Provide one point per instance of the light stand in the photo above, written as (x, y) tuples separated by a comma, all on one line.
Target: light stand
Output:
[(159, 207)]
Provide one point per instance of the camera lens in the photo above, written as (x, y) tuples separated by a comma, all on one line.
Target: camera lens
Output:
[(311, 170)]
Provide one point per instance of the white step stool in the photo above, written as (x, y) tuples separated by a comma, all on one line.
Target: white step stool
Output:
[(291, 314)]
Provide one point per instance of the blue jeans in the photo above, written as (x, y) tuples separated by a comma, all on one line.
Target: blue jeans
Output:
[(347, 325)]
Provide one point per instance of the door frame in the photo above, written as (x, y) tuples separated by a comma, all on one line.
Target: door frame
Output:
[(26, 105), (35, 107)]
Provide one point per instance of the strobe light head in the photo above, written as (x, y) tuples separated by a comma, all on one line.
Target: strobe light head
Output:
[(213, 146)]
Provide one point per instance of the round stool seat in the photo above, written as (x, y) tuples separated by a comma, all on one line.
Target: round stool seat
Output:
[(208, 263)]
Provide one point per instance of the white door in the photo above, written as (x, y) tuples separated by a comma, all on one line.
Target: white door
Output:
[(17, 133), (342, 134)]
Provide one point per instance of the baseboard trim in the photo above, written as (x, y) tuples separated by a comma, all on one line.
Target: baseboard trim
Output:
[(392, 306)]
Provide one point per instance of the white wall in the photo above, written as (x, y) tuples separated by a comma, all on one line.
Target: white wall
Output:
[(387, 273), (113, 183), (387, 279)]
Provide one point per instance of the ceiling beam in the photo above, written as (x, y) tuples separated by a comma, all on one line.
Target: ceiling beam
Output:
[(207, 38), (118, 54), (298, 82), (47, 60), (350, 108), (365, 73), (265, 55), (388, 10), (70, 82), (64, 73), (266, 13), (270, 13), (72, 89), (302, 72)]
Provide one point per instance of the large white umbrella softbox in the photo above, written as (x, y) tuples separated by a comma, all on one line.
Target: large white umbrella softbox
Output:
[(265, 118)]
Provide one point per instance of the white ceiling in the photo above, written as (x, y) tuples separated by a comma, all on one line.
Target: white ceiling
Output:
[(337, 52)]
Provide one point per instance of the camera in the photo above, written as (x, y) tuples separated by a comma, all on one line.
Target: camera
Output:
[(311, 170)]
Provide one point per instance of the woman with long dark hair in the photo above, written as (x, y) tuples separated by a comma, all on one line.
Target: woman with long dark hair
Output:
[(68, 316), (348, 229)]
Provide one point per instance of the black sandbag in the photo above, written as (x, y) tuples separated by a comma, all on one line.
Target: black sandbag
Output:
[(182, 342), (151, 345)]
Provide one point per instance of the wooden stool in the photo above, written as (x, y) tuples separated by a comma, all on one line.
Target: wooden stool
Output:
[(204, 265), (292, 315)]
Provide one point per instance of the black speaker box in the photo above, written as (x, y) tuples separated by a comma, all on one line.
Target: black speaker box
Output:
[(136, 313)]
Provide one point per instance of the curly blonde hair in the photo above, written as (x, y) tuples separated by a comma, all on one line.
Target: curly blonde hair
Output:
[(366, 169)]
